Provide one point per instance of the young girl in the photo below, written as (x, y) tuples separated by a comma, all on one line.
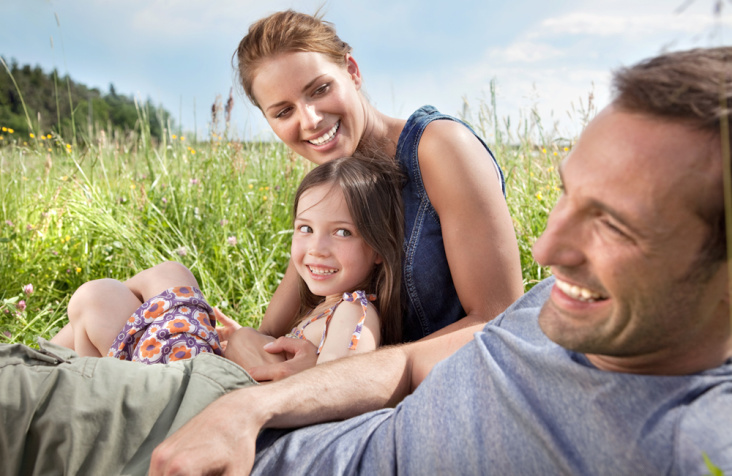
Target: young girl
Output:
[(346, 247)]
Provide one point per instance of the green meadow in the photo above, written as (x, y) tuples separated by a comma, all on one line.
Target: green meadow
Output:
[(110, 204)]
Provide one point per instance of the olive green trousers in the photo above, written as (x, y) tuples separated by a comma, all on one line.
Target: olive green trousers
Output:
[(65, 414)]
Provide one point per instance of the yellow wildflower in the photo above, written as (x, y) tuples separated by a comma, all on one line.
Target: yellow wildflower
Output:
[(48, 136), (64, 178), (555, 152), (566, 149), (10, 130), (32, 135), (68, 146), (5, 129), (539, 197), (264, 197), (174, 136), (132, 186), (193, 152), (78, 270), (251, 186), (543, 150), (182, 138)]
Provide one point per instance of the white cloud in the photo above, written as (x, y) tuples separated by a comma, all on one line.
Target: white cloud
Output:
[(524, 52), (600, 24)]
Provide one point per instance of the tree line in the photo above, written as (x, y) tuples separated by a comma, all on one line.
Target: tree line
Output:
[(59, 104)]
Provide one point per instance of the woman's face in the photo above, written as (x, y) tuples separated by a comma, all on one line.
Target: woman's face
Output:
[(312, 104)]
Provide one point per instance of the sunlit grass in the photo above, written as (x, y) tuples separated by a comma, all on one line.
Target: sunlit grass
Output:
[(70, 214)]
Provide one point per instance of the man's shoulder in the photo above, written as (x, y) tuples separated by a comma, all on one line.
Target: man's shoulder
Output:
[(704, 428), (529, 303)]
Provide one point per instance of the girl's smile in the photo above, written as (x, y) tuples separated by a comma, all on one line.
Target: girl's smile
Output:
[(328, 252)]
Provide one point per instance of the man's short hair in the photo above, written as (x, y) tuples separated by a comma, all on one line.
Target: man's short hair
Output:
[(693, 88)]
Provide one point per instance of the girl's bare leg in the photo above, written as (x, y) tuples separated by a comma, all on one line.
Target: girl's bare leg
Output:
[(64, 337), (99, 309), (157, 279)]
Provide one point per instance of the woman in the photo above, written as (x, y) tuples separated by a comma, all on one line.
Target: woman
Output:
[(461, 264)]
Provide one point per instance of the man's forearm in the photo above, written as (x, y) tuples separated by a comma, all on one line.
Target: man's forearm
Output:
[(223, 436), (335, 390)]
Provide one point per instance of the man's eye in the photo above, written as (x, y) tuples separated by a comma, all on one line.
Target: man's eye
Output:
[(614, 229), (343, 232)]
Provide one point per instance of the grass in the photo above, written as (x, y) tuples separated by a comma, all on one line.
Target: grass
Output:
[(121, 203)]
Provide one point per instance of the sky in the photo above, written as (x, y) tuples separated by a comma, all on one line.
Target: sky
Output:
[(544, 58)]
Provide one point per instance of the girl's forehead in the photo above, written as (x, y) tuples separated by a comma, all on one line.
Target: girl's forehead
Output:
[(325, 197)]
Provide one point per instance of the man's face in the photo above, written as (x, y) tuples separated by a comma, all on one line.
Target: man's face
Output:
[(622, 242)]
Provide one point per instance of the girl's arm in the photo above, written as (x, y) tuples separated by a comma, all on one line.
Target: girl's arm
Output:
[(283, 307), (480, 243), (341, 327)]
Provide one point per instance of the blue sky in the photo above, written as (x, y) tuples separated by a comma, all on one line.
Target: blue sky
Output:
[(547, 56)]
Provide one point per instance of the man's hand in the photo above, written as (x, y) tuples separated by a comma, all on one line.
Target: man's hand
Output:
[(300, 353), (219, 440)]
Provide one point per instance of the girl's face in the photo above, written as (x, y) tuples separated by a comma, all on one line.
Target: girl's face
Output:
[(312, 104), (328, 252)]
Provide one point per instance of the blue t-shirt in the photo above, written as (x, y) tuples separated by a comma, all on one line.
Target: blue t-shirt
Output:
[(514, 402)]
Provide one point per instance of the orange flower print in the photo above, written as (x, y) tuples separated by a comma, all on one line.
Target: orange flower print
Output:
[(150, 347), (203, 318), (178, 325), (180, 352), (183, 291), (156, 308)]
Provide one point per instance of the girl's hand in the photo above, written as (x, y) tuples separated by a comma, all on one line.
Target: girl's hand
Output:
[(228, 326), (300, 353)]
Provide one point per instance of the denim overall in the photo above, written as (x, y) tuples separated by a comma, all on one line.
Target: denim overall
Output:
[(431, 299)]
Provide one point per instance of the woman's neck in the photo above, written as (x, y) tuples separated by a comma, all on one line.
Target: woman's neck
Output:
[(381, 129)]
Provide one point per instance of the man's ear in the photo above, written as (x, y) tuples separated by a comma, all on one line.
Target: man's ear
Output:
[(353, 70)]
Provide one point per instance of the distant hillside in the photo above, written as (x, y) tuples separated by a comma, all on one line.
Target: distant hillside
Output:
[(50, 100)]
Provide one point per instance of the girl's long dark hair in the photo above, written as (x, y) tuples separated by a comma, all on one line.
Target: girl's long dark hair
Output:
[(371, 186)]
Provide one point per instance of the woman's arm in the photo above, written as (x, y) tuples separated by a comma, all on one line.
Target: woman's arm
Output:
[(480, 243), (283, 307)]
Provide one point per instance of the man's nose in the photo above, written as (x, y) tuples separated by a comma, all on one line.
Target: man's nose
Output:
[(560, 244)]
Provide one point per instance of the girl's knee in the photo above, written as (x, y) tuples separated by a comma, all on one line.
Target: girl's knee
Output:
[(167, 275), (88, 295)]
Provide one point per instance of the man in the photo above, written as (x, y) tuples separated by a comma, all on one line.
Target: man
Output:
[(621, 364)]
